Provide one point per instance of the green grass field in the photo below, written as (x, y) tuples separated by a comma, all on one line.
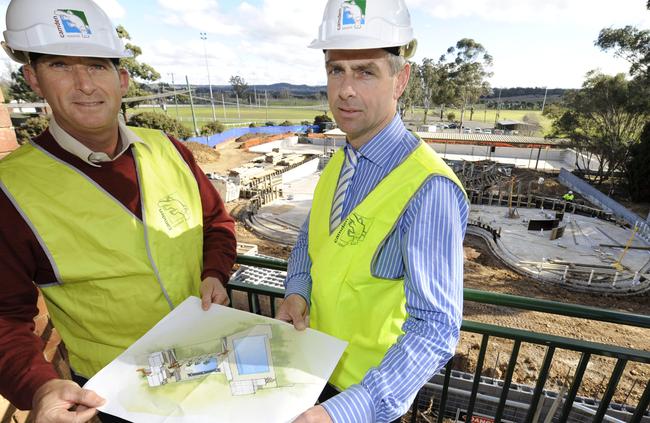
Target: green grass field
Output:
[(488, 117), (232, 117)]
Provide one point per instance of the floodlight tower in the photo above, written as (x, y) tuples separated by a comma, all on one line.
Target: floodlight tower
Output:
[(175, 99), (204, 37)]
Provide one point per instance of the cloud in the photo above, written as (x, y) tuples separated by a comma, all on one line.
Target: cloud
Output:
[(579, 12), (265, 42), (112, 8), (262, 62), (203, 15)]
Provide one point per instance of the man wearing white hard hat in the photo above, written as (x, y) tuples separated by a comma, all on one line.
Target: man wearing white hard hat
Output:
[(379, 262), (115, 225)]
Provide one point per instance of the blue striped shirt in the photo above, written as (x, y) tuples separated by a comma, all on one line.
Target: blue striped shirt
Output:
[(426, 248)]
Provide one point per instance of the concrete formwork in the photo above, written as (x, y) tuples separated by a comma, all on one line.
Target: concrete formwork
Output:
[(587, 258)]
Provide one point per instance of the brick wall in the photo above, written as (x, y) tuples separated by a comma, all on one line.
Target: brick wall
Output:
[(7, 134)]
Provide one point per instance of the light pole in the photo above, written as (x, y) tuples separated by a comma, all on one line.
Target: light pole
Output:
[(544, 102), (204, 37), (196, 129), (175, 99)]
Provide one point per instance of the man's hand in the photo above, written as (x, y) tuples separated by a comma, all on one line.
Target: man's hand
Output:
[(213, 292), (64, 401), (293, 310), (316, 414)]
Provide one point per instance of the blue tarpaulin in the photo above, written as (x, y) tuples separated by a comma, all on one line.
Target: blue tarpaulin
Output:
[(215, 139)]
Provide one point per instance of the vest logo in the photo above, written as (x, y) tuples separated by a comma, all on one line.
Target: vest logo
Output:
[(173, 211), (353, 230), (352, 14), (71, 23)]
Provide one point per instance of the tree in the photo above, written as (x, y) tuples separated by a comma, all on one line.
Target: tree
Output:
[(412, 95), (468, 72), (30, 128), (19, 90), (318, 119), (211, 128), (451, 116), (4, 86), (436, 86), (603, 120), (284, 93), (631, 44), (532, 119), (139, 72), (239, 85), (638, 171), (160, 121)]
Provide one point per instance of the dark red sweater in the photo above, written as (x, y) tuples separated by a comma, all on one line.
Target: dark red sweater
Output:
[(23, 263)]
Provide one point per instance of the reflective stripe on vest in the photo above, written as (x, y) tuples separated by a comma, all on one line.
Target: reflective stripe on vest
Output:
[(347, 300), (117, 276)]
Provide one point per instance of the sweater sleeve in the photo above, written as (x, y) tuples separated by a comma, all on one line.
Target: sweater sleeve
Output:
[(219, 243), (23, 367)]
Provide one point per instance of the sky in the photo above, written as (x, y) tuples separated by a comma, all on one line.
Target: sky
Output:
[(534, 43)]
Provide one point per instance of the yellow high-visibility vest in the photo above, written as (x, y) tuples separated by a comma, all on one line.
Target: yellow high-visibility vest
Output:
[(117, 275), (347, 300)]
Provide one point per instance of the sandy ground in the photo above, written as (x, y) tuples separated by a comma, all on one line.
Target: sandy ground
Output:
[(484, 272), (231, 156)]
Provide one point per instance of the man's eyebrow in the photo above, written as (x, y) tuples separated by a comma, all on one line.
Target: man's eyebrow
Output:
[(332, 63), (372, 66), (358, 67)]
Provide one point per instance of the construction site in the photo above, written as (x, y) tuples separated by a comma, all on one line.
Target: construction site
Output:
[(522, 239)]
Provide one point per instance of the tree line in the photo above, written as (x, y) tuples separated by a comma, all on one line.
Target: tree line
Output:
[(608, 119), (458, 78)]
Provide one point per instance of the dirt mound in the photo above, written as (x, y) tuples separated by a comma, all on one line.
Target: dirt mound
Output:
[(202, 153), (247, 137)]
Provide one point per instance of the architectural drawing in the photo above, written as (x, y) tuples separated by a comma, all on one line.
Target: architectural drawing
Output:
[(244, 358)]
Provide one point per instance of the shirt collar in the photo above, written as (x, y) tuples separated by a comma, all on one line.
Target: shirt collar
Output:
[(379, 150), (93, 158)]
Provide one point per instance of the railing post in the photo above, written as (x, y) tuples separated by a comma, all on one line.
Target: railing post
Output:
[(611, 388), (445, 390), (577, 380), (477, 377), (507, 381), (535, 402), (642, 406)]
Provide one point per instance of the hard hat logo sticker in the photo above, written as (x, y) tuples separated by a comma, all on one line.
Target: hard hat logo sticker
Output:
[(71, 23), (352, 14)]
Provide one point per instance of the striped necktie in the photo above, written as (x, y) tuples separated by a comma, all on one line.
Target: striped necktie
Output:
[(345, 178)]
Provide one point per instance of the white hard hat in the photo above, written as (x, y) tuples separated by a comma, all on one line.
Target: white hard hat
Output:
[(60, 27), (570, 192), (366, 24)]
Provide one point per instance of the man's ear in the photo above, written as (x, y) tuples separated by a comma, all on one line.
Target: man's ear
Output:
[(402, 80), (124, 80), (32, 79)]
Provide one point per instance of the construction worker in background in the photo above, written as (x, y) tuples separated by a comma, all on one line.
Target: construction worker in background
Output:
[(568, 196), (379, 261), (115, 225)]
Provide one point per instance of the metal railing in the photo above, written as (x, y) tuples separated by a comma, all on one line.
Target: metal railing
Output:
[(587, 350)]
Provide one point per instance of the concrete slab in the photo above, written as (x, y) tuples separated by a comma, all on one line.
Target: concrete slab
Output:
[(579, 259)]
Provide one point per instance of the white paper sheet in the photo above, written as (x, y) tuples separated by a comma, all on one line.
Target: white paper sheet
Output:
[(285, 385)]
